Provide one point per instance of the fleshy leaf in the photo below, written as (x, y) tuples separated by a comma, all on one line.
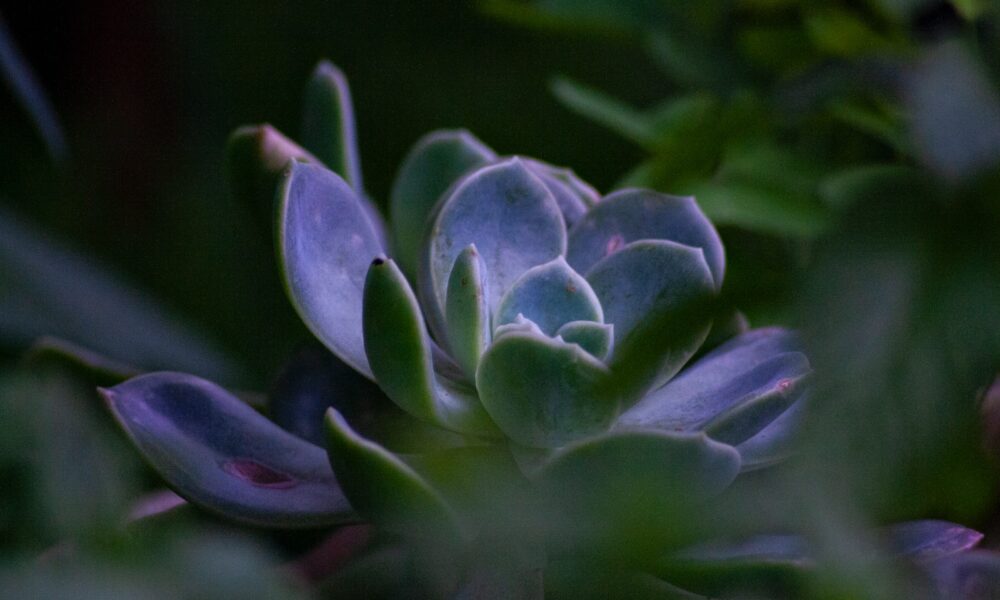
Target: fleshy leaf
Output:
[(595, 338), (637, 485), (541, 391), (643, 288), (325, 244), (509, 215), (399, 352), (437, 161), (630, 215), (968, 576), (520, 324), (732, 393), (382, 487), (466, 311), (774, 443), (550, 295), (222, 455), (572, 194), (929, 540), (328, 124)]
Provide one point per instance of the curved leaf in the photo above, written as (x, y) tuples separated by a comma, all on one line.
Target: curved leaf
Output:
[(466, 311), (541, 391), (595, 338), (437, 161), (328, 123), (732, 393), (774, 443), (325, 244), (645, 287), (550, 295), (509, 215), (929, 540), (220, 454), (399, 352), (631, 215), (382, 487), (572, 194)]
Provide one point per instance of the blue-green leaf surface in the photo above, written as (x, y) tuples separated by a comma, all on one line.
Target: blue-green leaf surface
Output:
[(929, 540), (541, 391), (325, 244), (328, 124), (732, 393), (630, 215), (550, 295), (776, 442), (437, 161), (595, 338), (222, 455), (466, 311), (572, 194), (511, 217)]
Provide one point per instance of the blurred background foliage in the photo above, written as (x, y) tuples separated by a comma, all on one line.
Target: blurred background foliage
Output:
[(849, 151)]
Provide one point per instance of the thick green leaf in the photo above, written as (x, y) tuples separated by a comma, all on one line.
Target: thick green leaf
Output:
[(222, 455), (383, 488), (47, 289), (631, 215), (645, 285), (550, 295), (595, 338), (328, 124), (436, 162), (325, 243), (511, 217), (542, 392), (399, 351), (466, 311)]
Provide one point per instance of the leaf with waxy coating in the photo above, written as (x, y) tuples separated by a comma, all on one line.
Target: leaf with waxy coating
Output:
[(437, 161), (509, 215), (928, 540), (382, 487), (328, 123), (550, 295), (541, 391), (643, 287), (399, 352), (572, 194), (223, 456), (774, 443), (466, 311), (325, 244), (595, 338), (630, 215), (732, 393)]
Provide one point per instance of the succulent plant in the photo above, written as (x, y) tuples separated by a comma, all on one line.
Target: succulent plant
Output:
[(515, 389)]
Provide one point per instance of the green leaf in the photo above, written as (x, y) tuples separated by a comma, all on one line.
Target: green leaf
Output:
[(595, 338), (434, 163), (466, 311), (383, 488), (762, 209), (220, 454), (48, 289), (541, 392), (624, 120), (399, 352), (511, 217), (325, 243), (328, 124), (550, 295)]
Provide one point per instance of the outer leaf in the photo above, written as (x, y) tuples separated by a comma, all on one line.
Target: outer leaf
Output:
[(775, 442), (645, 286), (572, 194), (466, 311), (325, 244), (629, 215), (328, 123), (399, 352), (382, 487), (541, 391), (929, 540), (220, 454), (550, 295), (509, 215), (732, 393), (595, 338), (646, 484), (437, 161)]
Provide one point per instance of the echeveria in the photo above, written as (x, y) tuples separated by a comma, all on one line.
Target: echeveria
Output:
[(529, 345)]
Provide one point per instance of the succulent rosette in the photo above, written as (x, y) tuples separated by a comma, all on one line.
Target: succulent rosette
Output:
[(518, 363)]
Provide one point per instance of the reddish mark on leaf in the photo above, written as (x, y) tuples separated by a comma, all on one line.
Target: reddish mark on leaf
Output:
[(615, 243), (257, 474), (784, 385)]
